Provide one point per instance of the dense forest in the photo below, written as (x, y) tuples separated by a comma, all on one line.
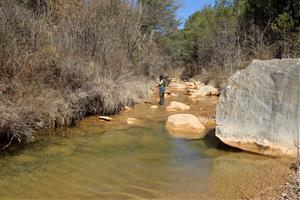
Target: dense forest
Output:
[(61, 60), (218, 40)]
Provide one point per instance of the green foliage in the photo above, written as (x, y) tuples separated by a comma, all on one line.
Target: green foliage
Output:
[(283, 24), (233, 32), (262, 13), (196, 44)]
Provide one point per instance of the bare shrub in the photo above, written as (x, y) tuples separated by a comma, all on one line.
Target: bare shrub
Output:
[(62, 60)]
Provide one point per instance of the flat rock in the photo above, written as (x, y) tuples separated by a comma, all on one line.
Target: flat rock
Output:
[(154, 107), (175, 106), (259, 109), (105, 118), (185, 126)]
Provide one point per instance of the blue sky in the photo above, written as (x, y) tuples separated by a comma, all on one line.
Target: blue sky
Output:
[(188, 7)]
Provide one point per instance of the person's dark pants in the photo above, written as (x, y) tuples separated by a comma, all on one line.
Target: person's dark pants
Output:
[(161, 96)]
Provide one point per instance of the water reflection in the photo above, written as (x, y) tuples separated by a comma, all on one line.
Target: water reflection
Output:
[(97, 160)]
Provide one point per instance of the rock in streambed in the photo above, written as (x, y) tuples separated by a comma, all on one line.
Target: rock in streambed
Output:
[(177, 106), (185, 126)]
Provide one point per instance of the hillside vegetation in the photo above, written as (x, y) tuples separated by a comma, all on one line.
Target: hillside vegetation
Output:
[(61, 60), (218, 40)]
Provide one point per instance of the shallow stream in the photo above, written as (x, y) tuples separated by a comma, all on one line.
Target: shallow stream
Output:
[(114, 160)]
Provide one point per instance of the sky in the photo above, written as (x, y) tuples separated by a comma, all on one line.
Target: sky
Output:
[(188, 7)]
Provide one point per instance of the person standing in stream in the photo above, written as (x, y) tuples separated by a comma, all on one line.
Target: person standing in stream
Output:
[(162, 89)]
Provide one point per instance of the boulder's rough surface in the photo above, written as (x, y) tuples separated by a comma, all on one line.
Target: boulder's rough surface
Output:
[(174, 106), (185, 126), (259, 110)]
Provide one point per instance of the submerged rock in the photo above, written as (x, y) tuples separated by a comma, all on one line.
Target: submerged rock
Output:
[(174, 106), (135, 122), (259, 110), (185, 126)]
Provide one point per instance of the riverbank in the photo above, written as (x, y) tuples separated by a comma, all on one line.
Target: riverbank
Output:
[(22, 123)]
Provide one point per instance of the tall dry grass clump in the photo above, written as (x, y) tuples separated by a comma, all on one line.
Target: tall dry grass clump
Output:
[(62, 60)]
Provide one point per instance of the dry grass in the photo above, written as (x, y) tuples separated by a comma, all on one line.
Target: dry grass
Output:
[(63, 60)]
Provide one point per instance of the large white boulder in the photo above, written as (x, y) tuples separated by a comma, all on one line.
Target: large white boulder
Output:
[(259, 110), (177, 106), (185, 126)]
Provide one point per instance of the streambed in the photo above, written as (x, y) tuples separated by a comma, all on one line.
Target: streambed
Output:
[(114, 160)]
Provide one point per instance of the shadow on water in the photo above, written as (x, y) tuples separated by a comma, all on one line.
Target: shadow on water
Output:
[(212, 141)]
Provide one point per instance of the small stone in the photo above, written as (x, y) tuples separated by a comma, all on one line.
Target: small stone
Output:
[(154, 107), (127, 108), (105, 118)]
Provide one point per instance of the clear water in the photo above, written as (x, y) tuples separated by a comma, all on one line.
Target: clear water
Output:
[(112, 160)]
